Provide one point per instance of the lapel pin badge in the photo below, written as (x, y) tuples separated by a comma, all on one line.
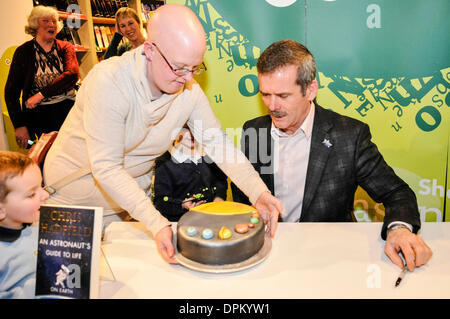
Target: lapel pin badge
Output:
[(327, 143)]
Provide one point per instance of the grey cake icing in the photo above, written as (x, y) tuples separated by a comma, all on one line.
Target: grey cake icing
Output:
[(216, 251)]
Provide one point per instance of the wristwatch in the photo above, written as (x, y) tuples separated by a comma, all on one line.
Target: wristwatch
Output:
[(398, 226)]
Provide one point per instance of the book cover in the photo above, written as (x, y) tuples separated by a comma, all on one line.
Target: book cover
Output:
[(109, 34), (75, 37), (104, 36), (68, 259), (145, 11), (64, 35), (118, 4), (94, 8), (102, 8), (98, 36), (107, 9)]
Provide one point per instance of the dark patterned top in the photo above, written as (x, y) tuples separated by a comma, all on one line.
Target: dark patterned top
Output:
[(49, 66), (22, 74)]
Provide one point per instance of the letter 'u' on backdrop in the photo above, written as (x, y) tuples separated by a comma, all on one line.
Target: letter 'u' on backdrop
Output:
[(383, 62)]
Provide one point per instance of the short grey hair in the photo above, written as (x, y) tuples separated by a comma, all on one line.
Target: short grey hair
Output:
[(39, 12), (289, 52)]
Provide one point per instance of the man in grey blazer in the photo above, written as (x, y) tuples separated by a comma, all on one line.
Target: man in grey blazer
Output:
[(313, 159)]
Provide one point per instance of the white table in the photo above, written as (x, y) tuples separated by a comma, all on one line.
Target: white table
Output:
[(307, 260)]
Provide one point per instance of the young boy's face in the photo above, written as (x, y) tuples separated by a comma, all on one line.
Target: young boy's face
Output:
[(187, 139), (22, 203)]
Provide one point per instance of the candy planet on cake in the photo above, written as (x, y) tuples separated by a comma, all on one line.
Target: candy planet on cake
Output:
[(220, 233)]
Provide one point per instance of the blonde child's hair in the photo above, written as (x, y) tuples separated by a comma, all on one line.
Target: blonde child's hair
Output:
[(12, 164)]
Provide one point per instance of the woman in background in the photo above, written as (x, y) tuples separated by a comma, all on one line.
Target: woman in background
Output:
[(128, 25), (44, 70)]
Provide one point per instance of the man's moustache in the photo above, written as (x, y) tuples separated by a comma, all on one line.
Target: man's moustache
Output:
[(277, 113)]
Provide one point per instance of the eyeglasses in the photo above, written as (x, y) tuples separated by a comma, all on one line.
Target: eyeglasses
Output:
[(182, 71)]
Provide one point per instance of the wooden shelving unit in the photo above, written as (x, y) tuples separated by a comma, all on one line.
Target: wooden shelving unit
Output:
[(89, 54), (101, 20), (65, 15)]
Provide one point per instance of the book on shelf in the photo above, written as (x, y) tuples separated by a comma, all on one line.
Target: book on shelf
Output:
[(147, 6), (109, 32), (145, 9), (104, 36), (75, 37), (60, 5), (106, 8), (64, 35), (109, 8), (101, 9), (71, 35), (95, 9), (98, 37), (68, 258)]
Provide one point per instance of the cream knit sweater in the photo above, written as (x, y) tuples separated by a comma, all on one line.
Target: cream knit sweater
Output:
[(118, 129)]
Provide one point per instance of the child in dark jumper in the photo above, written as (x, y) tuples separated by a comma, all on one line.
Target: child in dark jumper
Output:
[(185, 178)]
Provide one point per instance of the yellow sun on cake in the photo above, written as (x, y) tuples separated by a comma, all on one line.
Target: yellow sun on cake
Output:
[(224, 207)]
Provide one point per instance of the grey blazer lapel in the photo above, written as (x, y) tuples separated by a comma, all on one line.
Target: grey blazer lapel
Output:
[(321, 145), (267, 170)]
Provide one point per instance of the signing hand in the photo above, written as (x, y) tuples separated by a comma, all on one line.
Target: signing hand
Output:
[(165, 246), (270, 208), (414, 249)]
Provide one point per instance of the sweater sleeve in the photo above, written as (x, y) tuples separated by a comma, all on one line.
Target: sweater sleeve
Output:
[(112, 48), (238, 195), (71, 72), (14, 87), (376, 177)]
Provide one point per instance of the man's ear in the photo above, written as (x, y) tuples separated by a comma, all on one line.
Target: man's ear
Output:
[(148, 50), (312, 90)]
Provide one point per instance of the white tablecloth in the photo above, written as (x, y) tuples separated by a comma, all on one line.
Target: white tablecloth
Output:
[(307, 260)]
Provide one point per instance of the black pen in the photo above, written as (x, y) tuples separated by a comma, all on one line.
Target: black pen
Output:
[(400, 277)]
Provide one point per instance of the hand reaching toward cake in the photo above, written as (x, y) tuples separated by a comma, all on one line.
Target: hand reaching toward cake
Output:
[(165, 246), (190, 203), (270, 208)]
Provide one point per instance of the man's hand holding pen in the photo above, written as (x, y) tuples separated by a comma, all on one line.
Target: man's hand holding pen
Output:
[(415, 251)]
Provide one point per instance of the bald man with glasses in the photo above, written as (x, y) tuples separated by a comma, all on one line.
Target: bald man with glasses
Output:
[(182, 71), (128, 111)]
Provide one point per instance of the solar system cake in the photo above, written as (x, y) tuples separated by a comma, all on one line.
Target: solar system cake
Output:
[(220, 233)]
